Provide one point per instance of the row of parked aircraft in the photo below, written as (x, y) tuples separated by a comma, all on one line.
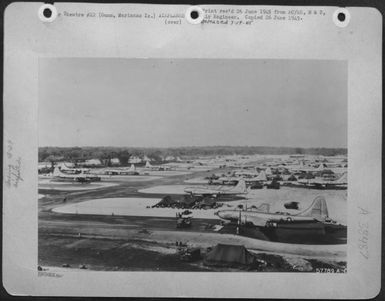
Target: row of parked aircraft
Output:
[(239, 185), (311, 168), (340, 183), (238, 189), (69, 174)]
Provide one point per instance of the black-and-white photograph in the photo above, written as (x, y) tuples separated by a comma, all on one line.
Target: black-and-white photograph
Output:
[(219, 165), (197, 151)]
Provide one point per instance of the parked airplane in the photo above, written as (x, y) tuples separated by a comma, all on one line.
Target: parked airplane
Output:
[(131, 171), (58, 175), (157, 168), (246, 174), (240, 188), (225, 181), (262, 216), (340, 183), (303, 168), (312, 225), (72, 170), (123, 172)]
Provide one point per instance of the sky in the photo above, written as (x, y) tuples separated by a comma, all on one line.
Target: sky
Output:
[(192, 102)]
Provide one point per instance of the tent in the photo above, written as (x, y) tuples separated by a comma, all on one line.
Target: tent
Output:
[(308, 176), (206, 203), (188, 201), (292, 178), (326, 172), (166, 201), (229, 256)]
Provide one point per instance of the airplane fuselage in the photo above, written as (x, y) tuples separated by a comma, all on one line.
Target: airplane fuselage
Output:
[(258, 218)]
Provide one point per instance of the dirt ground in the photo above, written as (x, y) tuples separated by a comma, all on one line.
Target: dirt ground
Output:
[(142, 255), (137, 243)]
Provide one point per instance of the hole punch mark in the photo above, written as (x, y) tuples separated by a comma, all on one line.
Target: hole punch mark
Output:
[(194, 14), (47, 13), (341, 17)]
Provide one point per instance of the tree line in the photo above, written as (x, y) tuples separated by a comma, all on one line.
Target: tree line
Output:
[(78, 154)]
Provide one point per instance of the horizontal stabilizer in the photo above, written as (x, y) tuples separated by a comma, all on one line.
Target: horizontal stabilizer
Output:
[(265, 208), (318, 209)]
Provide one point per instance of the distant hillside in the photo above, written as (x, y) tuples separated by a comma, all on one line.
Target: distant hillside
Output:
[(157, 154)]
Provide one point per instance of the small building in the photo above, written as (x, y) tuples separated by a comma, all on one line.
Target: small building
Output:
[(93, 162), (115, 161), (134, 160), (43, 165), (65, 165), (291, 178)]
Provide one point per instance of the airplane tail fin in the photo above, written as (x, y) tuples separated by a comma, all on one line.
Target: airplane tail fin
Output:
[(318, 209), (241, 186), (343, 178), (57, 172), (261, 176)]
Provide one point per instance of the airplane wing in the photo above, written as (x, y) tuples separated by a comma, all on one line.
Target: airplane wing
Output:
[(256, 218), (201, 191)]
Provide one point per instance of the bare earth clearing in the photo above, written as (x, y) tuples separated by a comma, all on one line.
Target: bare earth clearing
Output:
[(114, 242)]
